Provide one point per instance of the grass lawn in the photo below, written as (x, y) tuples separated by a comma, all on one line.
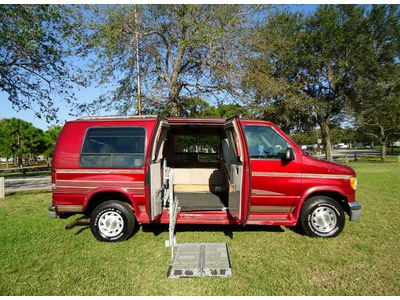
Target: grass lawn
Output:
[(39, 257)]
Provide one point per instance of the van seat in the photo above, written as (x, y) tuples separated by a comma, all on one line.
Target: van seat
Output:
[(198, 180)]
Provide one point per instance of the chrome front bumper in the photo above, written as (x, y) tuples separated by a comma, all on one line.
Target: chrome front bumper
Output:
[(52, 212), (355, 211)]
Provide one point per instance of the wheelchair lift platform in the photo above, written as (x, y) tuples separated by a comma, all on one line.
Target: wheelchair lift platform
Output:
[(200, 260), (191, 260)]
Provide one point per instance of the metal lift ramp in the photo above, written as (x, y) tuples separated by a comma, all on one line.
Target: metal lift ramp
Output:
[(201, 260), (193, 259)]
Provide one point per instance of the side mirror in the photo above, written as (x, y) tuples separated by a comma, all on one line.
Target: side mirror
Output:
[(289, 155)]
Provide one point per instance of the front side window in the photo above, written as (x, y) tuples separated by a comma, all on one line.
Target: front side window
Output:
[(265, 142), (113, 147)]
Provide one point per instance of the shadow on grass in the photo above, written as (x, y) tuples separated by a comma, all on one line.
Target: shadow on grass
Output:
[(296, 229), (228, 230), (82, 229)]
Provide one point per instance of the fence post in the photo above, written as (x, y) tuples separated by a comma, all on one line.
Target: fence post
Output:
[(355, 156), (346, 158), (2, 187)]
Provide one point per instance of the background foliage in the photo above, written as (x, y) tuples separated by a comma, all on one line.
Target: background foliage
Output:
[(339, 64)]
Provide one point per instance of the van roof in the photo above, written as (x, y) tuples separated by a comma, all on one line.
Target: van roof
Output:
[(196, 120), (150, 117), (175, 120), (102, 118)]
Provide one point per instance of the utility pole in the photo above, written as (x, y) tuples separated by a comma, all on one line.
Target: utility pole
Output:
[(139, 88)]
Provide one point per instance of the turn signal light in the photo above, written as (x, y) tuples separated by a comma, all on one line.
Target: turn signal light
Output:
[(353, 183)]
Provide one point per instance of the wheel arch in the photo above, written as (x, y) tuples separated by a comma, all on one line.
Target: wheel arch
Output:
[(99, 196), (329, 191)]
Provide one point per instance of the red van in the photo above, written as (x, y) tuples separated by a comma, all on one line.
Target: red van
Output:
[(125, 171)]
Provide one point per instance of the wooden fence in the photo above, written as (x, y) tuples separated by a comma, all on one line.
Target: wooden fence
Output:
[(25, 185)]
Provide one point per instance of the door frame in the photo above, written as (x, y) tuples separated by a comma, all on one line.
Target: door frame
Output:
[(155, 148), (244, 209)]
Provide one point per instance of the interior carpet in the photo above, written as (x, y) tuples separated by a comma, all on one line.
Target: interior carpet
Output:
[(201, 201)]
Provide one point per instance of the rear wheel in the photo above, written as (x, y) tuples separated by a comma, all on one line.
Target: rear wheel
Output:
[(112, 221), (322, 216)]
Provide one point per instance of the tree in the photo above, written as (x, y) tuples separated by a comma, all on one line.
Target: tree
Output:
[(5, 149), (186, 51), (198, 108), (379, 116), (50, 138), (306, 137), (308, 66), (377, 104), (21, 140), (33, 66)]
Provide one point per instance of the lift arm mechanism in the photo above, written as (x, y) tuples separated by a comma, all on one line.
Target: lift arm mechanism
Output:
[(170, 199)]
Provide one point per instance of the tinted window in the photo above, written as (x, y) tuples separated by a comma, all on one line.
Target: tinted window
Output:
[(265, 142), (113, 147)]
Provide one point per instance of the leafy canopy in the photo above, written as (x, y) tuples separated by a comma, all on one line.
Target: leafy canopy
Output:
[(185, 51), (33, 57)]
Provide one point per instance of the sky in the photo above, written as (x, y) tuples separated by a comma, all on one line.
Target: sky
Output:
[(82, 94)]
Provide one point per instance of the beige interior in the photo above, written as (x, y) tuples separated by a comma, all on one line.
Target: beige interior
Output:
[(203, 184), (199, 180)]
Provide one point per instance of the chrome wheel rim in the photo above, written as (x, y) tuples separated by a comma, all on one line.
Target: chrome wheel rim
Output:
[(111, 224), (323, 219)]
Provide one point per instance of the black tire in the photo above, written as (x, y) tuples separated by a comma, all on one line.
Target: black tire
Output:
[(112, 221), (322, 216)]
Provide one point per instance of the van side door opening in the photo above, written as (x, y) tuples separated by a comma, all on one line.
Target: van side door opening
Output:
[(193, 153), (208, 162)]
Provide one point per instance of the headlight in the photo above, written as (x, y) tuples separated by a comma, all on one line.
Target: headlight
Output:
[(353, 183)]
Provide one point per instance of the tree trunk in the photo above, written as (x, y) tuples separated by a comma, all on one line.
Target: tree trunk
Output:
[(174, 81), (174, 100), (326, 141), (21, 166), (175, 110), (383, 151), (383, 140)]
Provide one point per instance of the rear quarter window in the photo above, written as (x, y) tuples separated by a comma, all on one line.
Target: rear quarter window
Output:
[(113, 147)]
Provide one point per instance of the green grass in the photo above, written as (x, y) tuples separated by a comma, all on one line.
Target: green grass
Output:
[(38, 257)]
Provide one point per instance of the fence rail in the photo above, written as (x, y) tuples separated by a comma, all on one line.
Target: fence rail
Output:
[(8, 186), (353, 156), (25, 169)]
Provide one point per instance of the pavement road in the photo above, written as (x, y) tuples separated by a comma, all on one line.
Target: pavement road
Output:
[(356, 151), (339, 153)]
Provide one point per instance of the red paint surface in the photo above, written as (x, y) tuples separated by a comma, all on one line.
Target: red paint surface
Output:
[(282, 184)]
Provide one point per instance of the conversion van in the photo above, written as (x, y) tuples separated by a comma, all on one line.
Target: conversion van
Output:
[(119, 172)]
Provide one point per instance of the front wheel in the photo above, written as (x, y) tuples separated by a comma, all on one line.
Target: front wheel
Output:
[(112, 221), (322, 216)]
